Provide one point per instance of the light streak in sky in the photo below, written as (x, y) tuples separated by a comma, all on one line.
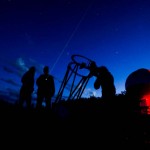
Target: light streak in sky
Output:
[(70, 38)]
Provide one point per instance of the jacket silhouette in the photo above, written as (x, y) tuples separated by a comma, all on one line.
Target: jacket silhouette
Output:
[(27, 87), (46, 88)]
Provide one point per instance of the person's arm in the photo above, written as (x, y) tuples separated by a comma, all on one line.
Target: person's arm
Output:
[(97, 83)]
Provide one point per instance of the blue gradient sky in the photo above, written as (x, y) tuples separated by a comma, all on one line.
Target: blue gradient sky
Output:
[(114, 33)]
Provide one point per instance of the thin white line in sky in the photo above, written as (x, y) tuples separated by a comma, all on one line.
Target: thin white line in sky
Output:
[(70, 38)]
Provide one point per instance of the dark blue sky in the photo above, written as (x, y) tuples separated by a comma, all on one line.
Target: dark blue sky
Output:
[(114, 33)]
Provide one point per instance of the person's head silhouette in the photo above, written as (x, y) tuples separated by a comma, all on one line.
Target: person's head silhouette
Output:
[(32, 69), (46, 70)]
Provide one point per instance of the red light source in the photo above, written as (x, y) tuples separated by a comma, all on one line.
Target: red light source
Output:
[(146, 102)]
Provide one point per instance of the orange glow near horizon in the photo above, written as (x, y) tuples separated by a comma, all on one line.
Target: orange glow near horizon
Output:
[(146, 100)]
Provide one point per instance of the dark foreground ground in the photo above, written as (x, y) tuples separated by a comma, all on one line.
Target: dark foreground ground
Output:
[(89, 123)]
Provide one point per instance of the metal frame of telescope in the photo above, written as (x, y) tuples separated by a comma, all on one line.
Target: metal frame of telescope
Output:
[(77, 90)]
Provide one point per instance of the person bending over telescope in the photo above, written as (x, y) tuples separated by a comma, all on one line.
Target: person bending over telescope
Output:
[(103, 78), (106, 80)]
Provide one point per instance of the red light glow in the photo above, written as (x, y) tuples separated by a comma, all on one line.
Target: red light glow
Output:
[(146, 102)]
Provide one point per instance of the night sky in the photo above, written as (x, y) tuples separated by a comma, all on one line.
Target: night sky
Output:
[(114, 33)]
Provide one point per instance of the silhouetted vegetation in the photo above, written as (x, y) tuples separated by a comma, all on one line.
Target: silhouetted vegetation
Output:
[(117, 121)]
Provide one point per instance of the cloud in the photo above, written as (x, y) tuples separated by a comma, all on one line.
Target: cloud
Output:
[(13, 95), (12, 71), (17, 67), (9, 70), (88, 92), (20, 64), (9, 95), (9, 81)]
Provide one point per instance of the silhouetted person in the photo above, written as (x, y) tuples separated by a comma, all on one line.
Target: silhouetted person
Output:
[(27, 87), (46, 88), (93, 69), (106, 81)]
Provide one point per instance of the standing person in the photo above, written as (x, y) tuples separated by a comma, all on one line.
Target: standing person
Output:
[(106, 80), (27, 87), (46, 88)]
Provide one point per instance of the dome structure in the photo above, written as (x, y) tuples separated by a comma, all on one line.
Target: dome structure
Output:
[(137, 86), (138, 77)]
